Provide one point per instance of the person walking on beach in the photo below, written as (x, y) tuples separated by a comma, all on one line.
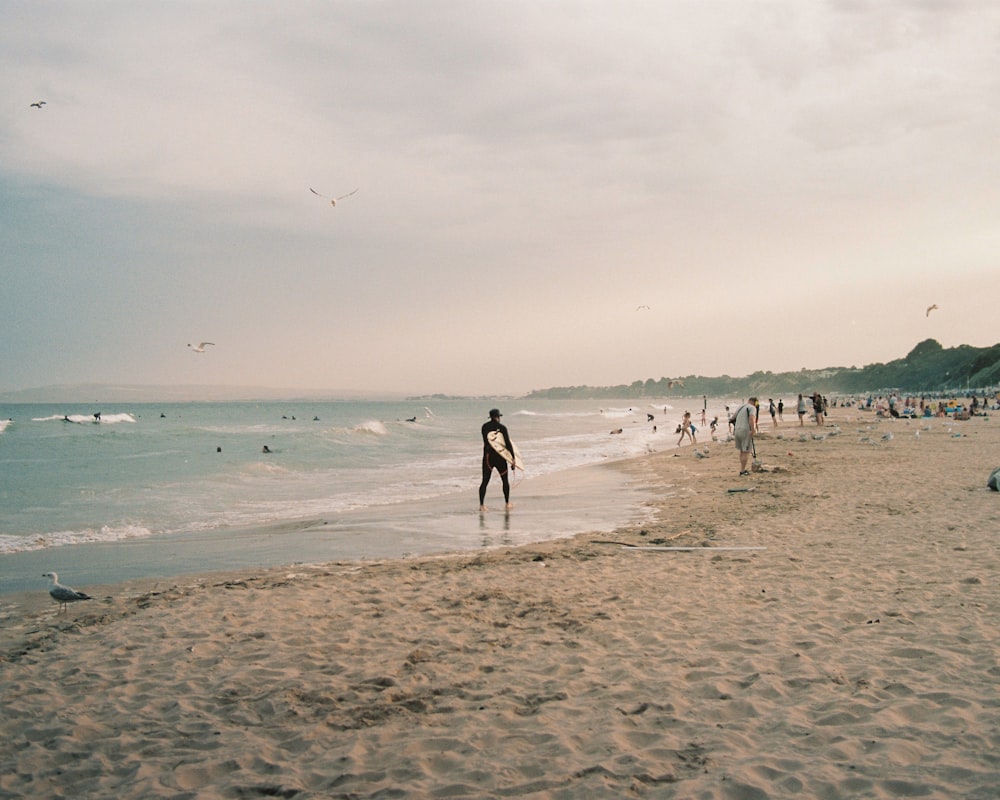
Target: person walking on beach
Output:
[(802, 411), (744, 428), (687, 429), (493, 460), (818, 408), (773, 409)]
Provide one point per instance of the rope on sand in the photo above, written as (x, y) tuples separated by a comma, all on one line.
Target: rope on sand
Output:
[(706, 549), (627, 546)]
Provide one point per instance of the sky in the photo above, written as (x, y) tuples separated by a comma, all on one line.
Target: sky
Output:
[(549, 193)]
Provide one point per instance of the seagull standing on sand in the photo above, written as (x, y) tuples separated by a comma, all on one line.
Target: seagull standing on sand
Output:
[(333, 200), (63, 594), (930, 309), (201, 347)]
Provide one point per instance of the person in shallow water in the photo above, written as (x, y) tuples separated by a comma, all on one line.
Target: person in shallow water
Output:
[(493, 460)]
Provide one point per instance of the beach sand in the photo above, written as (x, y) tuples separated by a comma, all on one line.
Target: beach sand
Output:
[(854, 655)]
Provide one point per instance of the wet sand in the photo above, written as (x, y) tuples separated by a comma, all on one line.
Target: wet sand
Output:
[(551, 506), (852, 653)]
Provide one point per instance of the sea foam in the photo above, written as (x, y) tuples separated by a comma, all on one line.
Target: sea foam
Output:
[(42, 541)]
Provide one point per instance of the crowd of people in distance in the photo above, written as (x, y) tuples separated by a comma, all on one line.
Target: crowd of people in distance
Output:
[(745, 423), (894, 406)]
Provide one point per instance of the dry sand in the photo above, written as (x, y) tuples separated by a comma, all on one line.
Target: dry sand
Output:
[(856, 656)]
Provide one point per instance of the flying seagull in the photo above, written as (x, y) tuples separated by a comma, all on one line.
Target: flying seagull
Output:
[(642, 308), (201, 347), (63, 594), (930, 309), (333, 200), (38, 104)]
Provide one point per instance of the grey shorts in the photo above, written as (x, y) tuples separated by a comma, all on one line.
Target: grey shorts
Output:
[(743, 440)]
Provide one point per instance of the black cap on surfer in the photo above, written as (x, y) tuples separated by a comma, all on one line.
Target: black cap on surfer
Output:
[(493, 460)]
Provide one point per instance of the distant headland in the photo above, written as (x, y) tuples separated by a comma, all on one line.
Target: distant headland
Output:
[(928, 367)]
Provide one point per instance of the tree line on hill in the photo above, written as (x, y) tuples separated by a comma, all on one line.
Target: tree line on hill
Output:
[(927, 368)]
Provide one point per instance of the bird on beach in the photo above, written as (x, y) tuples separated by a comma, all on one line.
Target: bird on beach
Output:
[(38, 104), (64, 594), (201, 347), (930, 309), (333, 200)]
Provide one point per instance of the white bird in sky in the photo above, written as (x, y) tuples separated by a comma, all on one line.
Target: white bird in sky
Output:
[(930, 309), (64, 594), (38, 104), (642, 308), (201, 347), (333, 200)]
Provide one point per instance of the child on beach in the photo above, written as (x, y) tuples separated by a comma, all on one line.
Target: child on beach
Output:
[(687, 429)]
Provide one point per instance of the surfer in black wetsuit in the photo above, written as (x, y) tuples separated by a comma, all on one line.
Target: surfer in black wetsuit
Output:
[(491, 458)]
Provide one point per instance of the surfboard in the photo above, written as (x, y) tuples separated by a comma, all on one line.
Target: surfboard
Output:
[(495, 438)]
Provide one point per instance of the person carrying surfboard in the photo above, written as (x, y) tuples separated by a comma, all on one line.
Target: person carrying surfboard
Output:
[(498, 451)]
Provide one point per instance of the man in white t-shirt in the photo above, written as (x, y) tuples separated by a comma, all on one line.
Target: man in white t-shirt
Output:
[(744, 428)]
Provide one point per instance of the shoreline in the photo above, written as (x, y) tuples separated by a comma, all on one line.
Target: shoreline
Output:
[(554, 505), (854, 656)]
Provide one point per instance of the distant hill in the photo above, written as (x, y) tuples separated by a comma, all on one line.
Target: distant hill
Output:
[(927, 368)]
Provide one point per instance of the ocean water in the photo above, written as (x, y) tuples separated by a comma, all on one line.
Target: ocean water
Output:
[(190, 481)]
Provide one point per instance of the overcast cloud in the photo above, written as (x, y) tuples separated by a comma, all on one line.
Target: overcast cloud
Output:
[(784, 184)]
